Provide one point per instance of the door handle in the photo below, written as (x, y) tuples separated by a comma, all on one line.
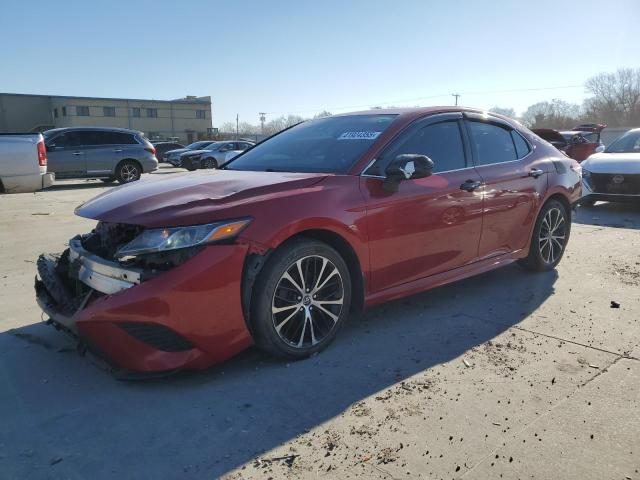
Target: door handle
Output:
[(78, 153), (535, 172), (470, 185), (118, 150)]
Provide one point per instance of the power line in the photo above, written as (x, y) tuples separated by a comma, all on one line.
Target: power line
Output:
[(416, 99)]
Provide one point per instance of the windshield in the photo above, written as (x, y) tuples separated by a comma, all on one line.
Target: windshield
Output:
[(627, 143), (326, 145), (197, 145)]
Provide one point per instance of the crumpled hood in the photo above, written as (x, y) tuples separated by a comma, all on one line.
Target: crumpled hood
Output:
[(628, 163), (192, 198), (177, 151)]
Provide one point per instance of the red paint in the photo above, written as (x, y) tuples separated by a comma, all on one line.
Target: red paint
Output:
[(427, 234)]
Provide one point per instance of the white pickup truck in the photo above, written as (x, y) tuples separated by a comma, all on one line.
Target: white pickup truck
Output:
[(23, 163)]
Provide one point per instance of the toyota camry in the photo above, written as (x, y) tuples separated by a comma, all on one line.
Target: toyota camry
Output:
[(282, 244)]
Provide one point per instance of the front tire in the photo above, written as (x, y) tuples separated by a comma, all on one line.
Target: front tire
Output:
[(128, 171), (301, 299), (549, 239)]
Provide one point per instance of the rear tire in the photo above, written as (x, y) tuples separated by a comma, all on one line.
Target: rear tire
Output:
[(549, 239), (300, 300), (209, 163), (128, 171)]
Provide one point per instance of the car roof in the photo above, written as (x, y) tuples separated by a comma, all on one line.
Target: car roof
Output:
[(417, 112), (104, 129)]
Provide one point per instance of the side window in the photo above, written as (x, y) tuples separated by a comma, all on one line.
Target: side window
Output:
[(60, 140), (493, 144), (522, 147), (441, 142), (80, 139), (100, 138), (82, 111)]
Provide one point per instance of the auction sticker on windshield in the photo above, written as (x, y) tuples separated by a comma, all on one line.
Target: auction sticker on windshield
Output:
[(359, 135)]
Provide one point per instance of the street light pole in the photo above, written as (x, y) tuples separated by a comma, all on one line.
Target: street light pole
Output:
[(237, 126), (456, 95), (263, 116)]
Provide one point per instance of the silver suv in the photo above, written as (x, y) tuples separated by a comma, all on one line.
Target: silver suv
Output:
[(105, 153)]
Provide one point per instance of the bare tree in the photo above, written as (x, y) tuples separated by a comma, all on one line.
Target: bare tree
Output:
[(616, 97), (554, 114), (507, 112)]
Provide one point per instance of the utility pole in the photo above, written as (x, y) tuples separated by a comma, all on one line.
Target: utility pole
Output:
[(263, 116), (237, 126), (456, 95)]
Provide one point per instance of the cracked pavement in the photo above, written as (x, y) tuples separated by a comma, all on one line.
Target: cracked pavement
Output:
[(506, 375)]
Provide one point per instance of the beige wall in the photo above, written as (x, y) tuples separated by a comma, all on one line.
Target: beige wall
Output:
[(174, 118)]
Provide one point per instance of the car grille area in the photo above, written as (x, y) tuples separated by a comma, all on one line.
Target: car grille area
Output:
[(157, 336), (615, 183)]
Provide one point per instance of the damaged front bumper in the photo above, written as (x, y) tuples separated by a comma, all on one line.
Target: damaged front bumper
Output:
[(188, 317)]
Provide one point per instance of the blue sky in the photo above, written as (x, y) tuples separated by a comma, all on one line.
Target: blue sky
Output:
[(304, 56)]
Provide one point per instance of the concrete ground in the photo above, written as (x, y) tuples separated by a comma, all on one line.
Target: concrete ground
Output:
[(506, 375)]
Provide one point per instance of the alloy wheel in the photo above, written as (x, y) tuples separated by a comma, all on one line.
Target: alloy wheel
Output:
[(307, 301), (129, 172), (552, 235)]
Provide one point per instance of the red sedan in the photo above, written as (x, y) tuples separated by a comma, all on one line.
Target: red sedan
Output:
[(282, 244)]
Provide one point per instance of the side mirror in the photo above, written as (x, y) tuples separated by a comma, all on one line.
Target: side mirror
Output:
[(600, 148), (407, 166)]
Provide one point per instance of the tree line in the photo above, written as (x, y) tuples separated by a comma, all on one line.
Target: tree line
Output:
[(614, 100)]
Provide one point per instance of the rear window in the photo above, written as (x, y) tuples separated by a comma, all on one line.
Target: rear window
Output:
[(325, 145)]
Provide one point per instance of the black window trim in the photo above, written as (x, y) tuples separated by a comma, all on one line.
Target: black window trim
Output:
[(498, 122), (135, 136), (430, 119)]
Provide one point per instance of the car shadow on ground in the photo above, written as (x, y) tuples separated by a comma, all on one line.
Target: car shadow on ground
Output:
[(609, 214), (56, 405), (80, 185)]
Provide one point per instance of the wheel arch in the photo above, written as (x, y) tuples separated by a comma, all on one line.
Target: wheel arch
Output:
[(255, 262)]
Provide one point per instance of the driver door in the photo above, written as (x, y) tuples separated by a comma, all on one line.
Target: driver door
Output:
[(65, 157), (430, 225)]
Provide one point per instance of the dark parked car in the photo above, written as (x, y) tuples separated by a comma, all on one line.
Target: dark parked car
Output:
[(164, 147), (279, 246), (93, 152), (173, 156), (214, 155)]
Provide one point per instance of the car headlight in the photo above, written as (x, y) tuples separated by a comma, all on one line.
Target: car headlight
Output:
[(162, 239), (586, 173)]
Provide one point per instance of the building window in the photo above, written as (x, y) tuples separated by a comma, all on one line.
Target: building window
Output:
[(55, 113), (64, 111), (201, 114), (109, 111), (135, 112), (152, 112), (82, 111)]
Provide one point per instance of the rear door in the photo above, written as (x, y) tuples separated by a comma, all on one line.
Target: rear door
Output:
[(108, 149), (514, 182)]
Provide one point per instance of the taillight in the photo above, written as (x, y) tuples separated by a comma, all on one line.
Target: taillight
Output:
[(42, 154), (151, 149)]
